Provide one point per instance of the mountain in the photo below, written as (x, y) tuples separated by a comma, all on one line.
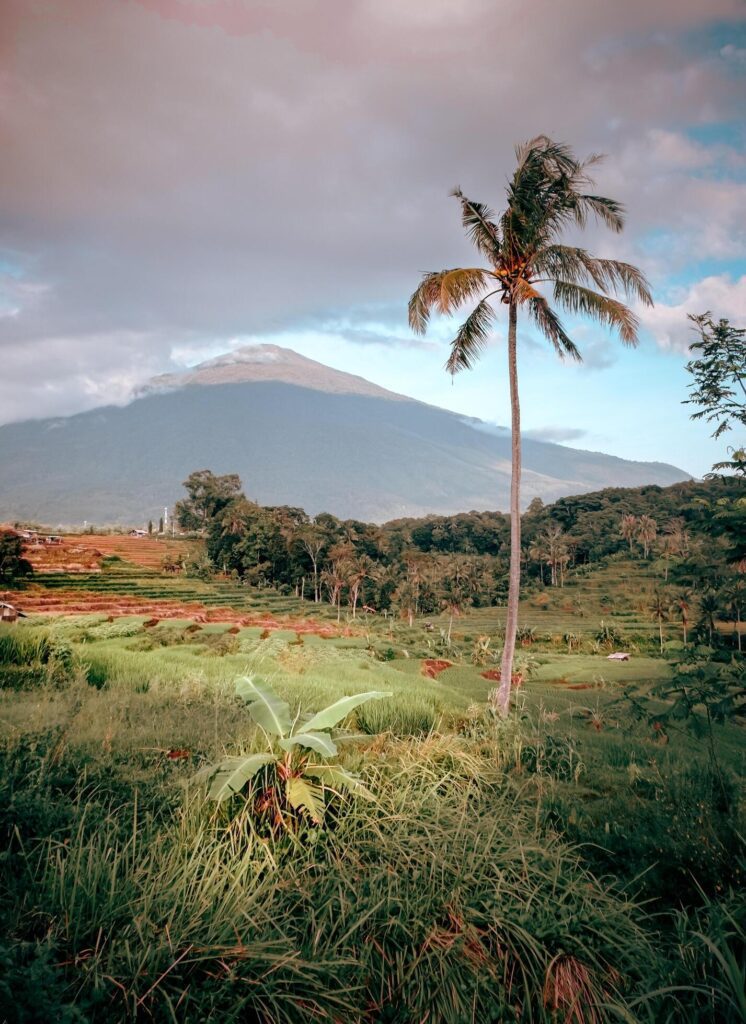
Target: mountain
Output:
[(254, 363), (297, 432)]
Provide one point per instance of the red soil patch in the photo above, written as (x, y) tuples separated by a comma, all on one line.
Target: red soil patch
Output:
[(432, 667), (573, 686), (494, 675), (85, 602), (84, 552)]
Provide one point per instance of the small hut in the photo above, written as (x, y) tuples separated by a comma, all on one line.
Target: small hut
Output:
[(9, 612), (618, 656)]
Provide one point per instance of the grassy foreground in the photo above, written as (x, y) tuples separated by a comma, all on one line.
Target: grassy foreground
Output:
[(563, 866)]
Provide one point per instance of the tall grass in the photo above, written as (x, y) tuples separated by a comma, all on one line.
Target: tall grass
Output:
[(457, 897), (441, 902), (23, 646)]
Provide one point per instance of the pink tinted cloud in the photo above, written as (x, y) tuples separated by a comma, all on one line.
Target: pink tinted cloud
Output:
[(222, 168)]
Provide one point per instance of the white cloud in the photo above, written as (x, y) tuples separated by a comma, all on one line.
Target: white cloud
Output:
[(226, 171), (722, 296), (557, 435), (737, 54)]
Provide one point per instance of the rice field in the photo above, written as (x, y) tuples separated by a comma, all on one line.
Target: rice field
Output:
[(566, 865)]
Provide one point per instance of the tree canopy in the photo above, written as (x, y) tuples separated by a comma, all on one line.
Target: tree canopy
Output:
[(719, 384)]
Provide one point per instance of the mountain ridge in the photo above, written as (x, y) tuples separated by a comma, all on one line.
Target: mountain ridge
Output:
[(264, 362), (331, 443)]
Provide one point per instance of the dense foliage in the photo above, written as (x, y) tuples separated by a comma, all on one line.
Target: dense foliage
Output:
[(13, 566), (691, 534)]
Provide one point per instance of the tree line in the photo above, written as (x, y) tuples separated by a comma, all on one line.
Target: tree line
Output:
[(693, 532)]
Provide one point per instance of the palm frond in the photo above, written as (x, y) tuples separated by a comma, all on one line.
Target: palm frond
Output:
[(523, 291), (443, 290), (565, 261), (626, 278), (578, 266), (549, 190), (422, 301), (478, 220), (544, 151), (456, 286), (551, 327), (592, 159), (471, 337), (610, 312), (608, 211)]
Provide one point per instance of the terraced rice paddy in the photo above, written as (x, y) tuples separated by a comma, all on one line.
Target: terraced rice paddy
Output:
[(129, 590), (619, 595)]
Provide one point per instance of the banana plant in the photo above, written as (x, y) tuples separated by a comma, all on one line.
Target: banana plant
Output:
[(300, 783)]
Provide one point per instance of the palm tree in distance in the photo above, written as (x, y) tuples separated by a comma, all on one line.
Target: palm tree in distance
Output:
[(549, 191), (628, 530)]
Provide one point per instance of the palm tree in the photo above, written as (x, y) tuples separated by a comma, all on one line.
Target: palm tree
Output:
[(647, 531), (334, 578), (547, 193), (661, 607), (734, 596), (358, 570), (457, 587), (405, 600), (628, 529), (709, 606), (683, 601), (554, 540), (313, 541)]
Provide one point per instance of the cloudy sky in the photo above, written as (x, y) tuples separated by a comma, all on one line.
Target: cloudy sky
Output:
[(183, 177)]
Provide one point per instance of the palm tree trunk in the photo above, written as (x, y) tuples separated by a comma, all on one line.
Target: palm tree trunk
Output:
[(514, 588)]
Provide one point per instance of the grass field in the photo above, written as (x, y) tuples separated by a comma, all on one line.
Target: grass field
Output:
[(618, 593), (570, 864)]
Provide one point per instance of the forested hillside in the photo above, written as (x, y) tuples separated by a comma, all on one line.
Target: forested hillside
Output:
[(691, 535)]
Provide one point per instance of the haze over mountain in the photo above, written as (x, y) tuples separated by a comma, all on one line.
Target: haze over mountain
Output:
[(297, 432)]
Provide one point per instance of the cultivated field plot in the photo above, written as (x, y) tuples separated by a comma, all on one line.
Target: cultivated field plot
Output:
[(618, 595), (573, 863), (85, 552), (121, 588)]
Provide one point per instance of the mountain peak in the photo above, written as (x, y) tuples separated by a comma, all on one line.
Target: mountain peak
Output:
[(260, 362)]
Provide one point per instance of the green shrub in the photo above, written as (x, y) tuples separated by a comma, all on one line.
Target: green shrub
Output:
[(219, 644), (22, 646), (34, 989), (676, 835), (407, 716), (29, 657), (96, 673)]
